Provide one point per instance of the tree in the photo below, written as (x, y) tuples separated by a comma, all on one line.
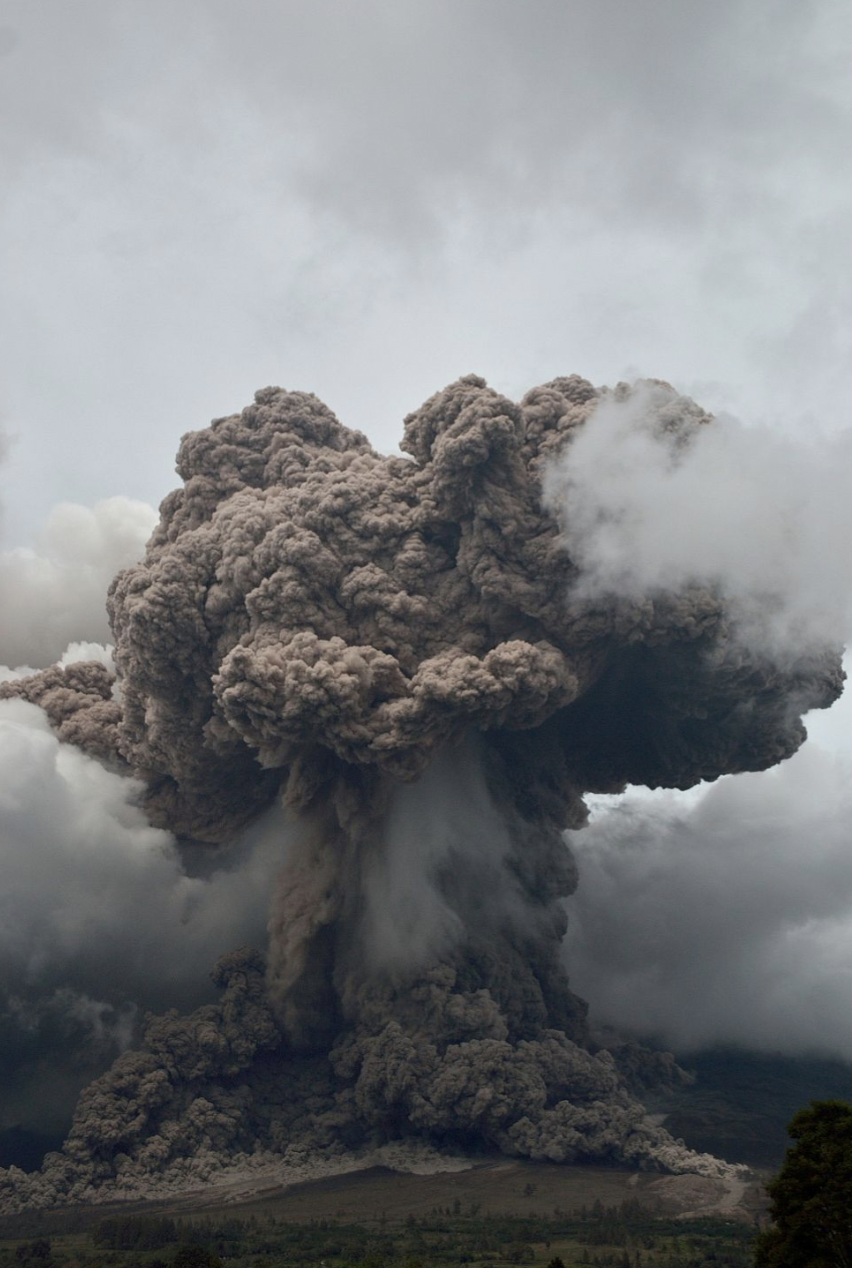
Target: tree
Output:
[(36, 1253), (812, 1194), (193, 1255)]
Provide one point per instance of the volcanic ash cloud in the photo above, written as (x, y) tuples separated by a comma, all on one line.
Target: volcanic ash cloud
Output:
[(400, 651)]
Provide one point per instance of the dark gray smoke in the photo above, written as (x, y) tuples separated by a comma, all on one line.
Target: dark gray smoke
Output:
[(724, 921), (400, 653)]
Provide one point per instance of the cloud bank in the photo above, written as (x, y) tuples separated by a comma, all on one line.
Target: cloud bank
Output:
[(677, 198), (726, 921), (100, 919), (60, 587)]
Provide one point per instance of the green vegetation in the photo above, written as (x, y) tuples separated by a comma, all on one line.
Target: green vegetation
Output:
[(741, 1102), (812, 1194), (601, 1237)]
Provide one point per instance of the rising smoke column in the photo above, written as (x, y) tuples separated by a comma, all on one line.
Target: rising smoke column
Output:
[(397, 649)]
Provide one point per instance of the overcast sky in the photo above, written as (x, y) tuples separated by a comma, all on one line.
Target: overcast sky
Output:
[(366, 200)]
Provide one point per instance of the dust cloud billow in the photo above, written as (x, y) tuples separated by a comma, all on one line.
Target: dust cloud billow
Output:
[(400, 664)]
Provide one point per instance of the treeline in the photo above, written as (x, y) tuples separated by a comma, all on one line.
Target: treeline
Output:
[(131, 1232), (601, 1237)]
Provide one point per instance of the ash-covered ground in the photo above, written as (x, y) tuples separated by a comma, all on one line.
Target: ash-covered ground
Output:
[(396, 659)]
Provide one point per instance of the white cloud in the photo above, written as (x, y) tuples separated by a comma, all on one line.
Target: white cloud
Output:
[(762, 517), (58, 591)]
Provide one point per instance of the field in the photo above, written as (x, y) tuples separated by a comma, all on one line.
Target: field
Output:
[(491, 1216)]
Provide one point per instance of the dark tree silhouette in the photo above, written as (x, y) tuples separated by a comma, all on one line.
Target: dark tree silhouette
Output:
[(193, 1255), (37, 1252), (812, 1194)]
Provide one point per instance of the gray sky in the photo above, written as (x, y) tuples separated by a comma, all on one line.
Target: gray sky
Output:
[(366, 200)]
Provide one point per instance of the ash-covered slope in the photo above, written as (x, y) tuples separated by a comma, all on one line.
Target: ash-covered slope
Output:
[(391, 646)]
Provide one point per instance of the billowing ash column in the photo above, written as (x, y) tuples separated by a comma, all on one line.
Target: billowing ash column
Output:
[(395, 648)]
